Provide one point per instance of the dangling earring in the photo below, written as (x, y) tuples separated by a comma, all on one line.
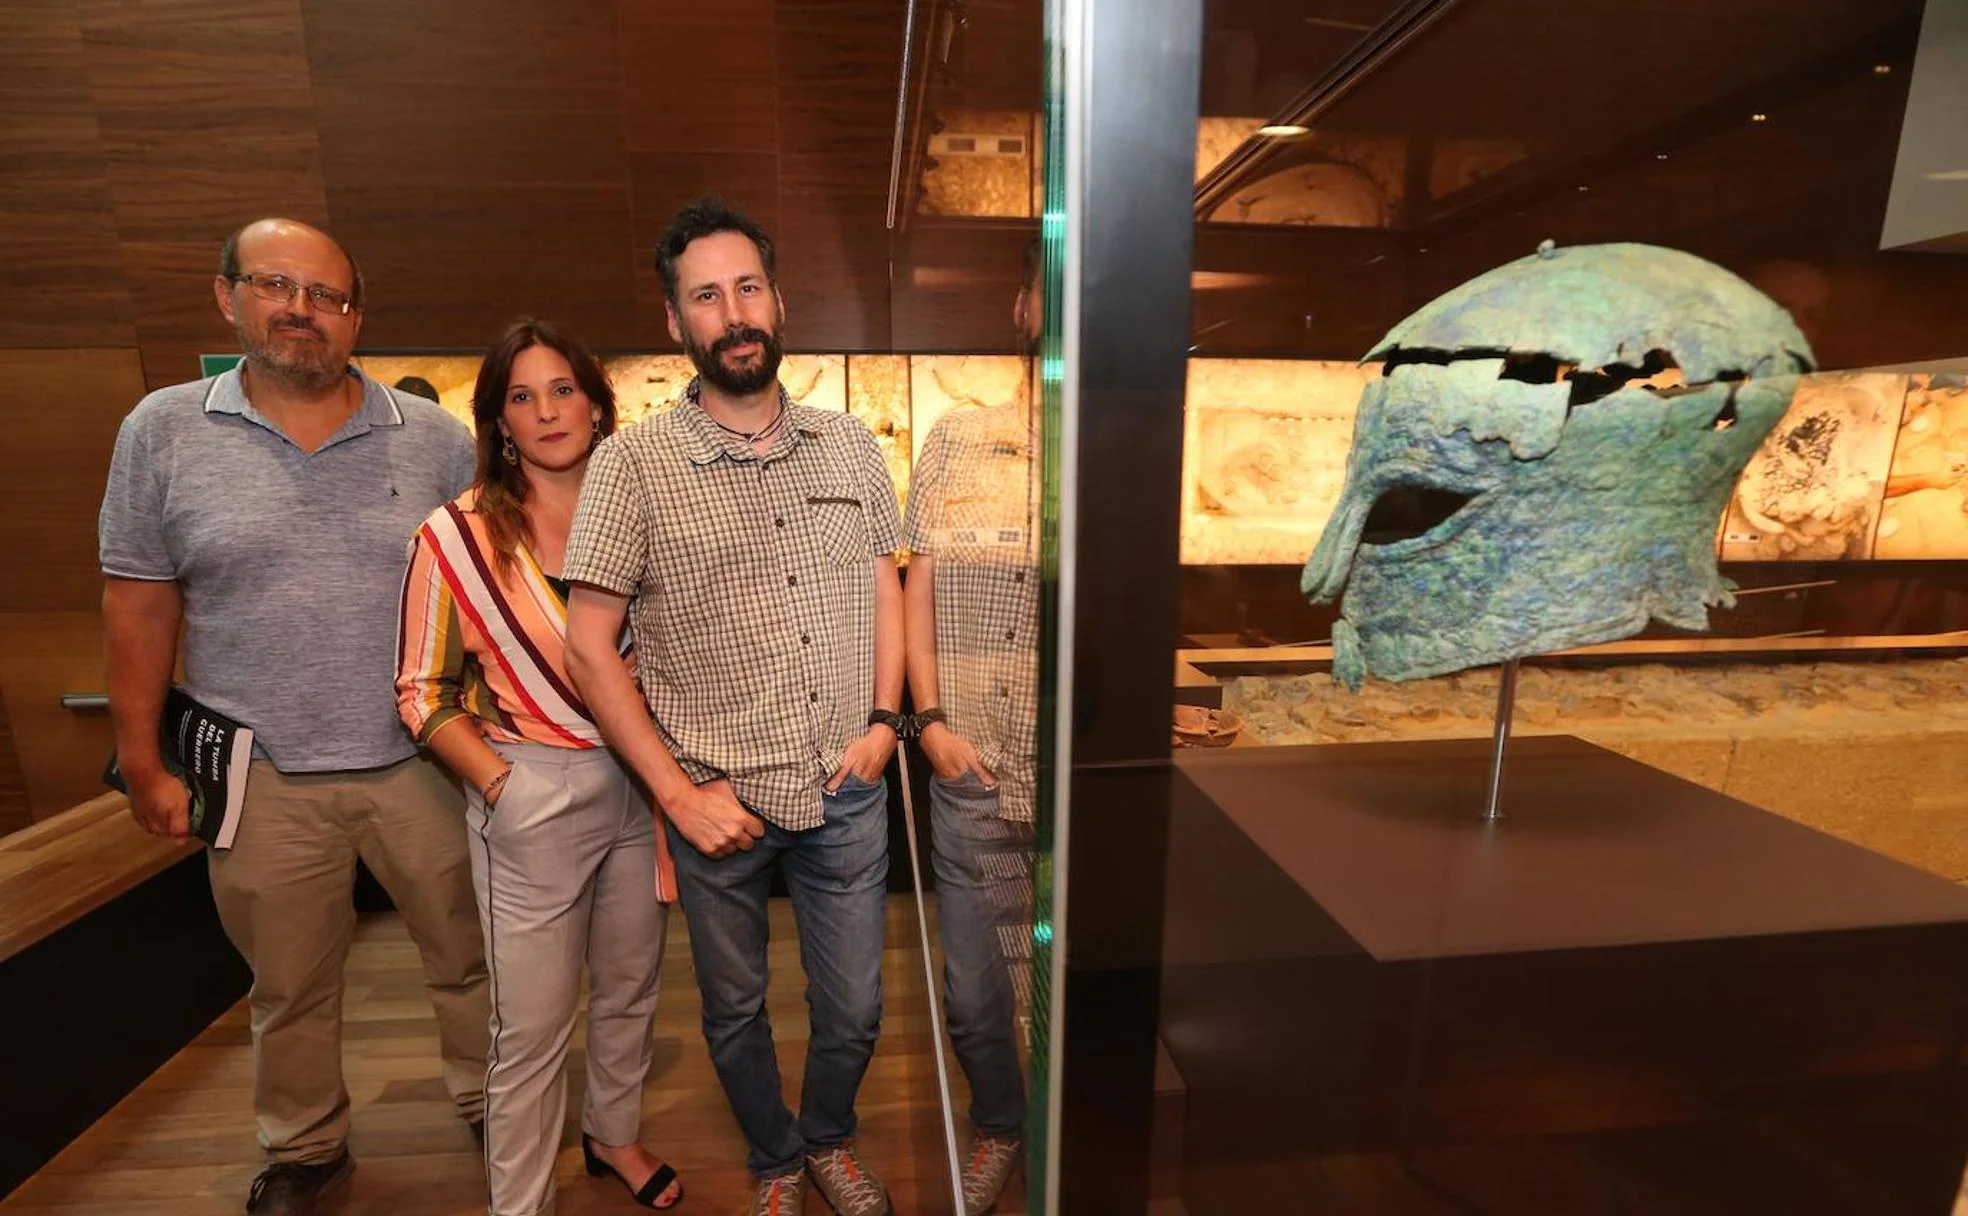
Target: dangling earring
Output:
[(511, 452)]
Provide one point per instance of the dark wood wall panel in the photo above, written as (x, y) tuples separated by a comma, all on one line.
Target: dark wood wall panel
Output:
[(61, 277), (207, 113), (14, 813), (700, 79), (52, 470), (956, 282), (662, 182), (476, 163), (996, 59), (833, 273), (177, 317), (483, 160), (700, 105), (839, 62), (207, 118), (42, 656)]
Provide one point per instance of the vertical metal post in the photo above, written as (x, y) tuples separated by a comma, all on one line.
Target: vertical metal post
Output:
[(1133, 74), (1506, 702), (931, 974), (901, 113)]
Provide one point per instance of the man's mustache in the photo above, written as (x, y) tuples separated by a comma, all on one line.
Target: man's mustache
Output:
[(739, 337)]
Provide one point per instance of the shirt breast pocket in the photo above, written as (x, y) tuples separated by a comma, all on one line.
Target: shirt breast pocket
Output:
[(840, 520)]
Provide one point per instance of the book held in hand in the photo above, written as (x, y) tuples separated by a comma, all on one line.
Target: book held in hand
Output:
[(211, 754)]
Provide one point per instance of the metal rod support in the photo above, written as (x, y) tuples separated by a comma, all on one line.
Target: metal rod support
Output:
[(1506, 702), (931, 977), (901, 114)]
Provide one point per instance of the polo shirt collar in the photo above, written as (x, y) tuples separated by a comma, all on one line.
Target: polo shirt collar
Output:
[(227, 395)]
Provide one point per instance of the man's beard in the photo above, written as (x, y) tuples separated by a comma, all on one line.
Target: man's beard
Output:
[(742, 382), (316, 368)]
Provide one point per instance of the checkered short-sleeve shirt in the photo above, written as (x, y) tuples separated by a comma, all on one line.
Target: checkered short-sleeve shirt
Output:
[(973, 507), (754, 591)]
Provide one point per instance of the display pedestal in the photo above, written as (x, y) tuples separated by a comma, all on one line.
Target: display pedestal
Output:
[(1631, 994)]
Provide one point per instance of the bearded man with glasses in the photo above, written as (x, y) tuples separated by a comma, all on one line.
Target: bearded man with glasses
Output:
[(268, 510)]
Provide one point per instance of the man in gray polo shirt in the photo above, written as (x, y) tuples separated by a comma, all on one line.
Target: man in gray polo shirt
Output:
[(267, 510)]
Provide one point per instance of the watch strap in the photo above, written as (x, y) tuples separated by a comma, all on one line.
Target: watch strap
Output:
[(923, 719)]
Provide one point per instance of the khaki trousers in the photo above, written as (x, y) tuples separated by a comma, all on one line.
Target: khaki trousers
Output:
[(285, 893), (565, 867)]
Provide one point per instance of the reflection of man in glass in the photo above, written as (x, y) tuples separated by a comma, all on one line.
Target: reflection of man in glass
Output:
[(972, 610)]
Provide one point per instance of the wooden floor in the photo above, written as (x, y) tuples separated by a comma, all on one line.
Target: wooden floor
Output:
[(182, 1144)]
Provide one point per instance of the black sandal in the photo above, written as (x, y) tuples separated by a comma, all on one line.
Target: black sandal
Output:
[(658, 1182)]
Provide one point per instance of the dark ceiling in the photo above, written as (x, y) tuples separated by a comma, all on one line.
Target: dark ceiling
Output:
[(1636, 120)]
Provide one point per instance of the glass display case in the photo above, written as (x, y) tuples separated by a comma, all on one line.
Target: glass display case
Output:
[(1708, 955)]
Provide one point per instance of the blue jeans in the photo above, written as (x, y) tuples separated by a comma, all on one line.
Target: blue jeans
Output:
[(838, 876), (983, 871)]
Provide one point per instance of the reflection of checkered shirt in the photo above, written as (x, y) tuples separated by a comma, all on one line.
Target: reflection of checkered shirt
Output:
[(973, 507), (754, 614)]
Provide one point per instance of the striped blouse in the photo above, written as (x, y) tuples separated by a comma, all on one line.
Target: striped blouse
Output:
[(475, 642)]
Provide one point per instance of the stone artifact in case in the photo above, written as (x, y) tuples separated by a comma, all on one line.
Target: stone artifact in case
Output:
[(1812, 492), (1926, 509)]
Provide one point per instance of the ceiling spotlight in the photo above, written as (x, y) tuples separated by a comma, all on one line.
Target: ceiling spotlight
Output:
[(1660, 156), (1283, 130), (1759, 118), (1882, 69), (1584, 189)]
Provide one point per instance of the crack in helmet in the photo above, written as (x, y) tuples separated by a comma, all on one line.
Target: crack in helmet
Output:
[(1545, 457)]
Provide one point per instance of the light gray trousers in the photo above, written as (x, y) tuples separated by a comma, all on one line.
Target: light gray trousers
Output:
[(565, 870)]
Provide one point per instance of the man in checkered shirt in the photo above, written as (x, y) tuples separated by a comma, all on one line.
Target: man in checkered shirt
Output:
[(750, 542), (972, 604)]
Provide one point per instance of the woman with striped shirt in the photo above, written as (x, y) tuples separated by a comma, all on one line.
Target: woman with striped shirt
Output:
[(566, 858)]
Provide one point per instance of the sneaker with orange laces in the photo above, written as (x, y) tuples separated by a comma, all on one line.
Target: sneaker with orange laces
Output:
[(986, 1171), (846, 1184), (784, 1195)]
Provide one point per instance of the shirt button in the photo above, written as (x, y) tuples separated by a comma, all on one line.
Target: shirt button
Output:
[(1018, 577), (792, 580), (1010, 634), (813, 697), (779, 523), (806, 639)]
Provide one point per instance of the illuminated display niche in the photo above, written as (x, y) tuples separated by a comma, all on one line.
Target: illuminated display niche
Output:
[(1866, 464)]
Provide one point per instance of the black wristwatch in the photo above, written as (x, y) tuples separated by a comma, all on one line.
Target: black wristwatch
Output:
[(923, 719), (892, 720)]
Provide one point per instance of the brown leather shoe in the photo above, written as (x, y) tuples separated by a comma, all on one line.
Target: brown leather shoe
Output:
[(292, 1188)]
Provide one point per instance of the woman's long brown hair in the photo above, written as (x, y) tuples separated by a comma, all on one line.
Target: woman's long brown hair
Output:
[(502, 487)]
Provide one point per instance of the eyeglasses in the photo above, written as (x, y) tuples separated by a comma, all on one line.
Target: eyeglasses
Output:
[(280, 289)]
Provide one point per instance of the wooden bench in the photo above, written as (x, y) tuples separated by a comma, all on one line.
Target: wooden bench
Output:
[(111, 960), (61, 869)]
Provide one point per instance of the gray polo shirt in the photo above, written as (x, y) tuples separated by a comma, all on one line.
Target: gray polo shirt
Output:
[(291, 563)]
